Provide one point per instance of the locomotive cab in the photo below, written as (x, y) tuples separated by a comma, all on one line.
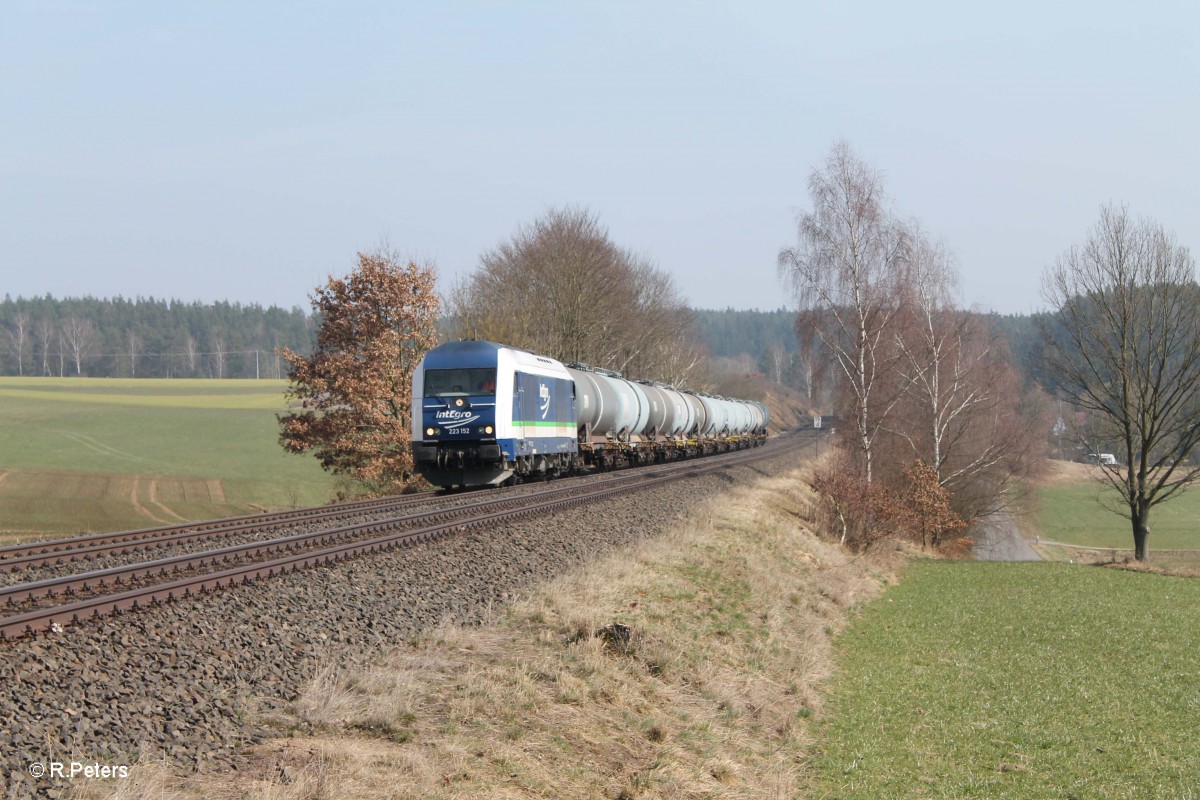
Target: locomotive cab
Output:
[(489, 413)]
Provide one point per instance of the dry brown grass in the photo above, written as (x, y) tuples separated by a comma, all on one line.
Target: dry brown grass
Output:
[(1067, 472), (1180, 563), (689, 667)]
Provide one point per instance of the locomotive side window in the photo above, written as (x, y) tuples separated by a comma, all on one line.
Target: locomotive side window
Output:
[(473, 381)]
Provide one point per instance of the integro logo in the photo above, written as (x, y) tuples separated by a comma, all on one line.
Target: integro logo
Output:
[(454, 418)]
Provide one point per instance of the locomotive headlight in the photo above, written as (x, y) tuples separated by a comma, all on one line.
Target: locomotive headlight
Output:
[(488, 430), (430, 431)]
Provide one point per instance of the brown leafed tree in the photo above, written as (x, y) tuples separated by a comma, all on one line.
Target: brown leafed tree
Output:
[(561, 287), (354, 392), (1124, 348), (925, 509), (916, 507), (857, 513)]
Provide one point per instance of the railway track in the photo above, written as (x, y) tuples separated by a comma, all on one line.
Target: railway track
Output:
[(60, 551), (83, 596)]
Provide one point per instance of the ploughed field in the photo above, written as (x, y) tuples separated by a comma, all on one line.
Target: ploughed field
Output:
[(182, 680)]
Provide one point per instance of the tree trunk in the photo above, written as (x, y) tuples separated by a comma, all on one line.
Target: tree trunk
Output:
[(1141, 532)]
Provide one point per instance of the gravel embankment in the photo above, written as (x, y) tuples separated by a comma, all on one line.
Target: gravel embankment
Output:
[(136, 556), (185, 680)]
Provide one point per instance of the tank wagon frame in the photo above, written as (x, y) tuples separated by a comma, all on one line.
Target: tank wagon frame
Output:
[(487, 414)]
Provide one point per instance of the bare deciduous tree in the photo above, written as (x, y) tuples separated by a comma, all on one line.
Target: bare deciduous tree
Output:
[(218, 357), (135, 349), (18, 339), (961, 407), (848, 262), (561, 287), (44, 331), (190, 352), (811, 363), (78, 334), (1125, 348)]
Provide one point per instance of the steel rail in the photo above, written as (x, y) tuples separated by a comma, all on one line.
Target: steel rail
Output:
[(30, 622), (53, 552), (118, 575), (60, 551)]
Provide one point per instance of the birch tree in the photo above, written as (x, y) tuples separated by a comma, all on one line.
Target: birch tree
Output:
[(78, 334), (960, 414), (136, 348), (18, 339), (44, 331), (848, 263)]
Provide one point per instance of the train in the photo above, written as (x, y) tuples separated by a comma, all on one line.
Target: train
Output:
[(486, 414)]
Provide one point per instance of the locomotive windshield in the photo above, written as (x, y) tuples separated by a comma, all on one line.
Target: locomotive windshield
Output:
[(472, 381)]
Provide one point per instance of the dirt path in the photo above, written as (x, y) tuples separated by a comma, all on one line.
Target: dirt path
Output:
[(997, 538), (138, 508), (157, 504)]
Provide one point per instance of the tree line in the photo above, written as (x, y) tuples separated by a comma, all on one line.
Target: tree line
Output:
[(46, 336), (147, 338)]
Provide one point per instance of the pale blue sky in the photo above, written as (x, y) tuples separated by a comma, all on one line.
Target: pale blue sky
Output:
[(244, 151)]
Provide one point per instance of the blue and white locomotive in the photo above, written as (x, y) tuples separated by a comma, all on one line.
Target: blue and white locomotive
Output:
[(486, 414)]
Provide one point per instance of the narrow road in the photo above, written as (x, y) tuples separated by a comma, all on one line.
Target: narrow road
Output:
[(997, 538)]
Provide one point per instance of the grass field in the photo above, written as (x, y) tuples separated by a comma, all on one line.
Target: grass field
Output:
[(110, 454), (1081, 515), (1074, 508), (1018, 681)]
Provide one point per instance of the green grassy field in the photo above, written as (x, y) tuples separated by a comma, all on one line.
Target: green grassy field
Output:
[(110, 454), (1018, 681), (1080, 514)]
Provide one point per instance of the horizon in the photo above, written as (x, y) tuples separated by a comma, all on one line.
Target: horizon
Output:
[(173, 301)]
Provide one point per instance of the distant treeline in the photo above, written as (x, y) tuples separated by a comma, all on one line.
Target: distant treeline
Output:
[(152, 338), (147, 338), (758, 337), (730, 333)]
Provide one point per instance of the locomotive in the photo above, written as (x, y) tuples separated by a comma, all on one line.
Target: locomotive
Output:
[(485, 414)]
